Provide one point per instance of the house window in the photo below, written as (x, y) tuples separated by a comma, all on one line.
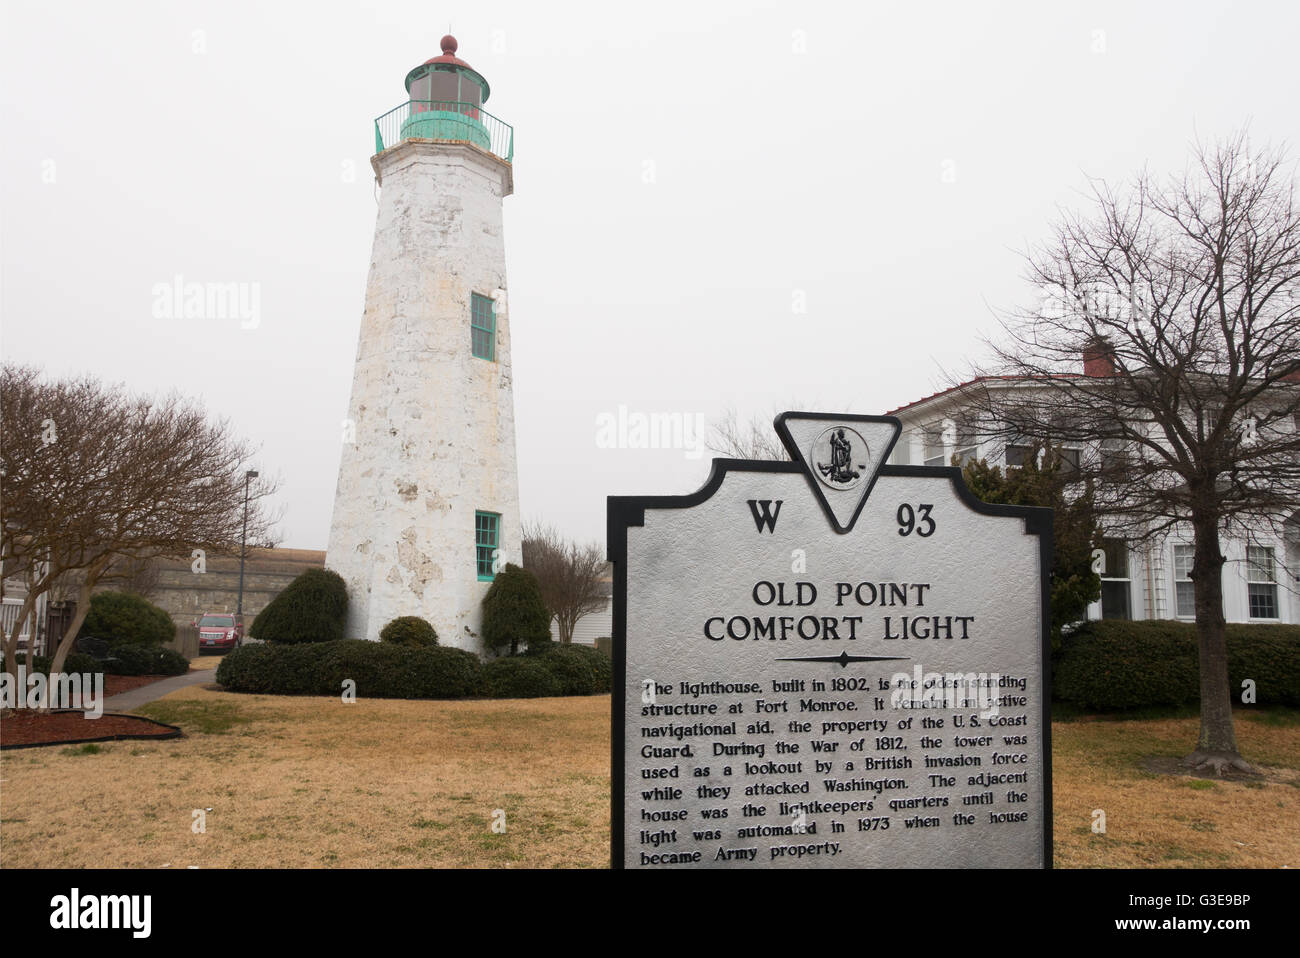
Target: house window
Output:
[(1069, 462), (1184, 591), (967, 446), (482, 326), (487, 533), (1116, 587), (1017, 456), (1114, 455), (1261, 578), (934, 448)]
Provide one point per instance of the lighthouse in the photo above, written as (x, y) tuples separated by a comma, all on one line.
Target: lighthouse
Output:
[(426, 509)]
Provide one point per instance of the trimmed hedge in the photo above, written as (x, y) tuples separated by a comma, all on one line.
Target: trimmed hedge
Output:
[(276, 669), (409, 630), (75, 662), (125, 618), (538, 647), (137, 660), (388, 670), (520, 677), (128, 660), (380, 670), (580, 668), (514, 612), (1118, 664), (311, 608)]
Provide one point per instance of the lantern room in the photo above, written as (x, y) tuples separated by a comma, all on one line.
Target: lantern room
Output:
[(447, 79), (446, 96)]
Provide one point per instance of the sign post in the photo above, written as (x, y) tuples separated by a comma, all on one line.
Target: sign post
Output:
[(830, 662)]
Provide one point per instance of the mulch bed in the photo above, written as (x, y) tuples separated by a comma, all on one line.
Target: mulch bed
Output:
[(25, 729), (117, 684)]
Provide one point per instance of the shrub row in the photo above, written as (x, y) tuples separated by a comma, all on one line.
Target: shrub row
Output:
[(380, 669), (388, 670), (580, 669), (127, 659), (1114, 664), (140, 660), (560, 670)]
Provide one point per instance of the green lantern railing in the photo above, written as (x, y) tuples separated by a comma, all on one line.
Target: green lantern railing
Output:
[(452, 121)]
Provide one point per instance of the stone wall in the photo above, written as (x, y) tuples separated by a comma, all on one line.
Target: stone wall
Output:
[(186, 594)]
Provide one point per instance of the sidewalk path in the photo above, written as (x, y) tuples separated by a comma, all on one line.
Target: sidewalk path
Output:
[(126, 701)]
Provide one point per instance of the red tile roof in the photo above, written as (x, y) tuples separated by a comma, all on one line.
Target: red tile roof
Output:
[(981, 379)]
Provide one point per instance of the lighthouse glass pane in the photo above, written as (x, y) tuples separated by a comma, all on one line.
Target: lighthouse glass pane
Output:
[(482, 326), (470, 92), (420, 92), (487, 527), (445, 87)]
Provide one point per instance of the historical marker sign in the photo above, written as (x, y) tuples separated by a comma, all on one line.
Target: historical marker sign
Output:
[(830, 662)]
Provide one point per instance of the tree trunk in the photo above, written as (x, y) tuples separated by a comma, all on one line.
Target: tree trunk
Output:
[(83, 608), (1216, 749)]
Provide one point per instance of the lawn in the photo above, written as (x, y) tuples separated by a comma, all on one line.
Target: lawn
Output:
[(303, 782), (1174, 821), (300, 782)]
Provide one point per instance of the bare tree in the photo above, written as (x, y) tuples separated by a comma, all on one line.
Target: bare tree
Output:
[(1182, 297), (135, 575), (754, 439), (571, 575), (94, 480)]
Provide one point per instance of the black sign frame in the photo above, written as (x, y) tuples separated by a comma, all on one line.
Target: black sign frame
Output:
[(624, 512)]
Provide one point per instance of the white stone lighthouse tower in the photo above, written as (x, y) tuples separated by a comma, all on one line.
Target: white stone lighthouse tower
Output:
[(427, 503)]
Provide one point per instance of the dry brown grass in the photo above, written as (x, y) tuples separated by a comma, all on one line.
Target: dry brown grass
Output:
[(1174, 821), (297, 782), (303, 782)]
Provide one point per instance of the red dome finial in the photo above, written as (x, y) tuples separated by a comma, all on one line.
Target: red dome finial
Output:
[(449, 45)]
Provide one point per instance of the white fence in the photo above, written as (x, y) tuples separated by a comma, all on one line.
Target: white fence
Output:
[(9, 615)]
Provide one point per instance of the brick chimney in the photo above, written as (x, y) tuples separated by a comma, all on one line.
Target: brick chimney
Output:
[(1099, 358)]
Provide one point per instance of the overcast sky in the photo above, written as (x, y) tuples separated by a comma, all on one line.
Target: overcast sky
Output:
[(748, 205)]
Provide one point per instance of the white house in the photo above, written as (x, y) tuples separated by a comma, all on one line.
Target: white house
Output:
[(593, 625), (1142, 579), (15, 593)]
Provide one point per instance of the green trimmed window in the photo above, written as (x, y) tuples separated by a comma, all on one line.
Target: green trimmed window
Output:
[(482, 326), (487, 536)]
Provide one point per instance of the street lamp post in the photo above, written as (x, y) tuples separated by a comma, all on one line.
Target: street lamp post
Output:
[(243, 543)]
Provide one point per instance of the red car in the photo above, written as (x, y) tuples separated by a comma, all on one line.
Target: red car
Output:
[(220, 631)]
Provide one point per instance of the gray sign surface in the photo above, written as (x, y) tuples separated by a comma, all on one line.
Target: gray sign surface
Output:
[(829, 662)]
